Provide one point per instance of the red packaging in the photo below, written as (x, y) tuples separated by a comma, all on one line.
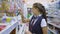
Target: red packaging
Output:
[(2, 27)]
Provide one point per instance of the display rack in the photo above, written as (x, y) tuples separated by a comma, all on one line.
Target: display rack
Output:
[(53, 9), (14, 25), (54, 28), (9, 28), (54, 22)]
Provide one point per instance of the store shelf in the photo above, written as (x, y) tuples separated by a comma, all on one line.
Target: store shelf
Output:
[(9, 28), (53, 27), (3, 23), (57, 26), (53, 31)]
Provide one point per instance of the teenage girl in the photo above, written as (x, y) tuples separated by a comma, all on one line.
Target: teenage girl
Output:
[(38, 22)]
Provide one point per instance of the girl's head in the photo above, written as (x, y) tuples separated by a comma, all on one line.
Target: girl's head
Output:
[(39, 9)]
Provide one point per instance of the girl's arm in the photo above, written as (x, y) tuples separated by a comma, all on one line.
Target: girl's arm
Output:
[(45, 30), (44, 26), (23, 19)]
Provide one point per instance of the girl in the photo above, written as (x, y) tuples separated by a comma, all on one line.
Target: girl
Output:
[(37, 23)]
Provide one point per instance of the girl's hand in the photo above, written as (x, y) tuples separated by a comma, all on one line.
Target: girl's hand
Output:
[(21, 11)]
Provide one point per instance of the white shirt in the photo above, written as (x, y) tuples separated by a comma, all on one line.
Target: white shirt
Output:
[(43, 22)]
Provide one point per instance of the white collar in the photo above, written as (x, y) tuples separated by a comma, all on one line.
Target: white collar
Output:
[(38, 15)]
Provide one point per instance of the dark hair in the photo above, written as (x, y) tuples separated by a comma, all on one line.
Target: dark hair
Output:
[(41, 9)]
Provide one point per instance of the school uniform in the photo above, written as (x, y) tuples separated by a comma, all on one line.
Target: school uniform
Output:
[(36, 24)]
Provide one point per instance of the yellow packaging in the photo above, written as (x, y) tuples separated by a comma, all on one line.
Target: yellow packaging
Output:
[(8, 19)]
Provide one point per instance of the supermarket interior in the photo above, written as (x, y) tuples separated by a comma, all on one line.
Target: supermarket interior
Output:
[(15, 15)]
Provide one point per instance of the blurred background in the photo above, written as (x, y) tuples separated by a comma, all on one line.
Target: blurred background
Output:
[(10, 18)]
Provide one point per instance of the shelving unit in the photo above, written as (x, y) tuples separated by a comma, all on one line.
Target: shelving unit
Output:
[(53, 10), (53, 26), (9, 28), (51, 30), (54, 22), (12, 27)]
